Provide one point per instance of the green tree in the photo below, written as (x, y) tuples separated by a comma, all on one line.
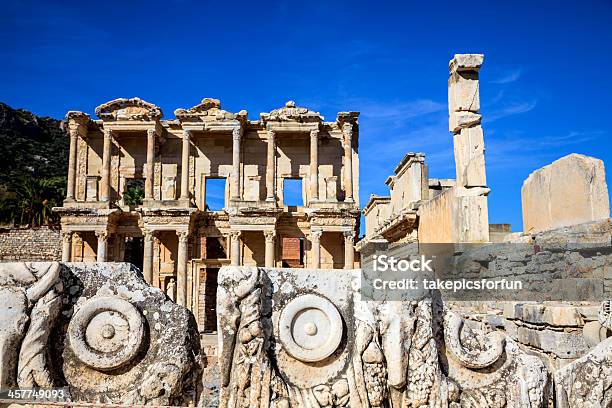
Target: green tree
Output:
[(134, 192), (33, 199)]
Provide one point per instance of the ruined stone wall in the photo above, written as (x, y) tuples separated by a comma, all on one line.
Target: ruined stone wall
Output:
[(581, 254), (436, 218), (376, 215), (568, 264), (40, 244), (410, 182)]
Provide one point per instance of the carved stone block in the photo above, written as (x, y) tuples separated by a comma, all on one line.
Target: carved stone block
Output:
[(97, 329), (304, 338)]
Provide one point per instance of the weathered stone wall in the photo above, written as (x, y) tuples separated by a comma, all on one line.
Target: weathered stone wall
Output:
[(436, 218), (39, 244), (550, 322)]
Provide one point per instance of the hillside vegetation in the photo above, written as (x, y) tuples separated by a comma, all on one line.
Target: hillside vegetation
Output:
[(33, 166)]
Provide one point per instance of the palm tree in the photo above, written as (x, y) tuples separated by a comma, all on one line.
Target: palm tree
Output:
[(36, 198)]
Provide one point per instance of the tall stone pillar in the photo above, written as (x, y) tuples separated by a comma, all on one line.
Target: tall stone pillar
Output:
[(72, 162), (235, 248), (315, 239), (106, 166), (271, 167), (472, 220), (347, 129), (185, 166), (150, 164), (236, 163), (66, 246), (349, 249), (181, 268), (314, 165), (269, 236), (147, 258), (101, 255)]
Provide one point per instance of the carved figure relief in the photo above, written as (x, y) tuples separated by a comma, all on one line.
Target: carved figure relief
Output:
[(295, 338), (97, 329)]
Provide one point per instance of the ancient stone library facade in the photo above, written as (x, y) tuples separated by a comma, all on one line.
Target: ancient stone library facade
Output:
[(174, 235)]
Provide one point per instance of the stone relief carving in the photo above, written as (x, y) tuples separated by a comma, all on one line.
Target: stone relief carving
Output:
[(291, 338), (587, 382), (208, 110), (605, 314), (30, 302), (128, 109), (97, 329), (292, 113)]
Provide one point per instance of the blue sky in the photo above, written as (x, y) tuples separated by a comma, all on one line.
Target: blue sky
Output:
[(545, 84)]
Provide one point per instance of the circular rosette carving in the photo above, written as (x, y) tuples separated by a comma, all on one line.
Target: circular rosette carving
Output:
[(310, 328), (106, 333)]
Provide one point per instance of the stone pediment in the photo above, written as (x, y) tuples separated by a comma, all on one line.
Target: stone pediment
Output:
[(292, 113), (128, 109), (208, 110), (77, 116)]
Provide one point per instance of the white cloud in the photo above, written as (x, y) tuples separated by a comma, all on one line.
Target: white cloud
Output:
[(510, 110), (508, 77)]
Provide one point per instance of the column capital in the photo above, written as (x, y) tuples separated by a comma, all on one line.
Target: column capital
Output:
[(66, 236), (186, 134), (269, 235), (149, 234), (347, 128), (314, 133), (315, 235), (349, 236), (235, 233), (271, 133), (102, 235), (108, 133), (237, 133), (151, 132), (183, 236), (73, 132)]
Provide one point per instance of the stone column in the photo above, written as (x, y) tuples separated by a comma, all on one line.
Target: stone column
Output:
[(156, 251), (465, 119), (181, 268), (72, 163), (315, 239), (150, 164), (235, 248), (106, 166), (472, 222), (120, 240), (314, 165), (349, 250), (347, 129), (185, 166), (66, 245), (102, 245), (235, 163), (269, 236), (271, 167), (147, 258)]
